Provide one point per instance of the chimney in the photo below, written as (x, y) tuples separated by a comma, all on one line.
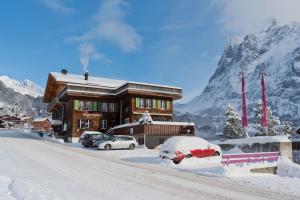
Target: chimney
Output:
[(86, 75)]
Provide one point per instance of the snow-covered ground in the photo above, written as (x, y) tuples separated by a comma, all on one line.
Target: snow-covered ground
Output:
[(35, 168)]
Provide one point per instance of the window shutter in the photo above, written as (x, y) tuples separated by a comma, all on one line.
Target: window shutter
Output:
[(168, 105), (94, 105), (76, 105), (159, 104), (154, 103)]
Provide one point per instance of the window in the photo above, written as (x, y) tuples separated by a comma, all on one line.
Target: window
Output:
[(88, 123), (163, 105), (139, 102), (81, 105), (103, 124), (80, 123), (103, 107), (148, 103), (88, 105), (85, 124), (113, 107)]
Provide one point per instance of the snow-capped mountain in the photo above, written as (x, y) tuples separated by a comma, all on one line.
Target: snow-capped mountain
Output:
[(274, 51), (25, 87), (20, 98)]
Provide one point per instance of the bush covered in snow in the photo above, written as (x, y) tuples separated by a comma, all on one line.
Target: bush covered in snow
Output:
[(146, 118)]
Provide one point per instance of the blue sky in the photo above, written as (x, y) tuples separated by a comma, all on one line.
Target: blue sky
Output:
[(173, 42)]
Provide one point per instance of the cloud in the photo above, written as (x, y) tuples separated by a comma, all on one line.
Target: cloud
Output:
[(109, 25), (88, 52), (58, 6), (240, 17)]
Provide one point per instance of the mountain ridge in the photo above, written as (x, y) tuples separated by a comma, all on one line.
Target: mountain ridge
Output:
[(276, 52)]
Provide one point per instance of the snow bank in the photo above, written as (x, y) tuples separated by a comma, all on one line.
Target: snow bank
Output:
[(287, 168), (4, 188), (253, 140), (184, 144)]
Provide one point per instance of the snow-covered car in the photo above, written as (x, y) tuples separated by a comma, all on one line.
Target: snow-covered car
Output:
[(180, 147), (88, 133), (119, 142)]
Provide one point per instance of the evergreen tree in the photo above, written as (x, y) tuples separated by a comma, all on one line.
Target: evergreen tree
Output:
[(287, 129), (232, 126), (273, 122)]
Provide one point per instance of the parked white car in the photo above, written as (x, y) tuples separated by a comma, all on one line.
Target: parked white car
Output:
[(88, 132), (119, 142), (181, 147)]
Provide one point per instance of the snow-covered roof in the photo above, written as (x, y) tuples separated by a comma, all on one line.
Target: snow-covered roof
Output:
[(98, 81), (40, 119), (79, 79), (257, 139)]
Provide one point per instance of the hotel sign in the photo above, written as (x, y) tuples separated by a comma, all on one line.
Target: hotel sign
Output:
[(91, 115)]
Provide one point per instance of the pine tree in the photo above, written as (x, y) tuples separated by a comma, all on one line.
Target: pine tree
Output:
[(273, 121), (232, 126), (287, 129)]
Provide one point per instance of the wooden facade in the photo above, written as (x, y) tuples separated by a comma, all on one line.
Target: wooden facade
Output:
[(101, 104)]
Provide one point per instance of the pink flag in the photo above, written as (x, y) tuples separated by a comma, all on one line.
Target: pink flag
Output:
[(264, 122), (244, 117)]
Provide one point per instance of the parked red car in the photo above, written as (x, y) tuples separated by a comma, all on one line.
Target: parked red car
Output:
[(181, 147)]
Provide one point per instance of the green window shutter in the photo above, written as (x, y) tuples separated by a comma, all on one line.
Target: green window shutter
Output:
[(76, 105), (94, 105), (159, 104), (168, 105), (154, 103), (137, 102)]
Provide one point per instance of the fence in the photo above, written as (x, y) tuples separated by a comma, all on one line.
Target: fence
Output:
[(249, 157)]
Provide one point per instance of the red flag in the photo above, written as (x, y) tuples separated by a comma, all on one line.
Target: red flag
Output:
[(244, 117), (264, 122)]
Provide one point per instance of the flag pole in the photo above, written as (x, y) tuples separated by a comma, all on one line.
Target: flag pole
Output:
[(244, 106)]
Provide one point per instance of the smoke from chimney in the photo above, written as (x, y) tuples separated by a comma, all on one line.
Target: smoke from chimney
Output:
[(88, 52)]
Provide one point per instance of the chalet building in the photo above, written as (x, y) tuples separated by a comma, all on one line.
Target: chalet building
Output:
[(41, 125), (81, 103)]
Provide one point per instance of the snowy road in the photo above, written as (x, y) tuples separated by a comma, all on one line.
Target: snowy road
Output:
[(32, 169)]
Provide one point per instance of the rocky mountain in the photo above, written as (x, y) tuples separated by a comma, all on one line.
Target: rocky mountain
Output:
[(19, 98), (275, 51)]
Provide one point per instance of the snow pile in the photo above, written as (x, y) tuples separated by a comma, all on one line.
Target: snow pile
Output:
[(287, 168), (184, 144), (257, 139), (146, 118), (4, 188), (25, 87)]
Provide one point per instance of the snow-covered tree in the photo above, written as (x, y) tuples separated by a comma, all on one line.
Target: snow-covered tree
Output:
[(232, 126), (146, 118), (287, 129), (273, 121)]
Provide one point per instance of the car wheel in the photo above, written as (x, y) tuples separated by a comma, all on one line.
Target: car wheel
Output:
[(131, 147), (176, 161), (216, 153), (86, 146), (107, 147)]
